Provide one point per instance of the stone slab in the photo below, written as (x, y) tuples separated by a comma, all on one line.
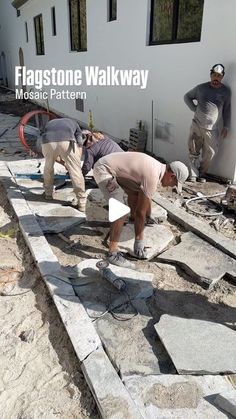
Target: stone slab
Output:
[(23, 166), (227, 401), (200, 259), (176, 397), (94, 206), (130, 341), (112, 398), (197, 226), (158, 212), (130, 338), (198, 347), (42, 253), (79, 327), (157, 238), (59, 218)]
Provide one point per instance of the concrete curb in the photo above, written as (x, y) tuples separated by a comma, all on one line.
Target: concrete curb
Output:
[(191, 223), (79, 327)]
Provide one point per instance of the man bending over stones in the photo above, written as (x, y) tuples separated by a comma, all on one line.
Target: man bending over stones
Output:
[(62, 138), (139, 175), (97, 145)]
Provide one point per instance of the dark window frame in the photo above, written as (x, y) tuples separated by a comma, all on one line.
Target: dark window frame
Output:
[(111, 18), (175, 19), (80, 48), (39, 42), (53, 20), (26, 32)]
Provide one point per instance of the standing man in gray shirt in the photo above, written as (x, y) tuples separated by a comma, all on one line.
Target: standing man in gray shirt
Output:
[(63, 138), (211, 104)]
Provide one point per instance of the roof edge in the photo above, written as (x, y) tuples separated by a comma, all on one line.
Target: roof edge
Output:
[(18, 3)]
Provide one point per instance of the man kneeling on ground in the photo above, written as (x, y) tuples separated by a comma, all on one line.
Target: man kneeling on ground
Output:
[(138, 175)]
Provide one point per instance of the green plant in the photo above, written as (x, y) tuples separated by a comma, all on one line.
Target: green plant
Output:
[(90, 121)]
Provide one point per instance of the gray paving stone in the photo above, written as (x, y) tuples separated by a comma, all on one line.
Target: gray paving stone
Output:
[(95, 199), (47, 262), (59, 218), (132, 345), (23, 166), (130, 341), (157, 238), (200, 259), (31, 187), (176, 397), (227, 401), (158, 212), (79, 327), (198, 347), (113, 400), (197, 226)]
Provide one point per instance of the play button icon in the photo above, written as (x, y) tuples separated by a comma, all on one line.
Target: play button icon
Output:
[(117, 210)]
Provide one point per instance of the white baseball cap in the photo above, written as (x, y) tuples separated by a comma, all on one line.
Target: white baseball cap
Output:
[(181, 172), (218, 68)]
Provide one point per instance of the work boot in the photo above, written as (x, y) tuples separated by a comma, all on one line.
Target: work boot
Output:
[(116, 258), (80, 206)]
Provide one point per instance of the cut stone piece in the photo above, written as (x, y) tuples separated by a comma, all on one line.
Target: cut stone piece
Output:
[(156, 239), (20, 166), (95, 210), (80, 329), (132, 345), (176, 397), (198, 347), (58, 219), (112, 398), (158, 212), (95, 195), (70, 271), (192, 223), (200, 259), (227, 401)]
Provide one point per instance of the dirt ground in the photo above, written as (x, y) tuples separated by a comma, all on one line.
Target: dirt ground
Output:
[(40, 375)]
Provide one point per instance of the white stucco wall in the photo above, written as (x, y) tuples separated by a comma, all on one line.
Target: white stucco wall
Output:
[(174, 69)]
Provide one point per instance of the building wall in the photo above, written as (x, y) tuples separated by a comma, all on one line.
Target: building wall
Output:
[(173, 69)]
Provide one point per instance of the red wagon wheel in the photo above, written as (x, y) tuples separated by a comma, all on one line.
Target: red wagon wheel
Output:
[(30, 129)]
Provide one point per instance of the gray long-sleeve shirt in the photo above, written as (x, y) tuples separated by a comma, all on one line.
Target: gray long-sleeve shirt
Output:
[(62, 129), (100, 149), (213, 107)]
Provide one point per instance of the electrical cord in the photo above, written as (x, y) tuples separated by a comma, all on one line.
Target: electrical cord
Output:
[(204, 197), (109, 308)]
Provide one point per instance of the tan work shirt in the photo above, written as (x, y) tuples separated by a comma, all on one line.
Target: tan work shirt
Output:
[(135, 171)]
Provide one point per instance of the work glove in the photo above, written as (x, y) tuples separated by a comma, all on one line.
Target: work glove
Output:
[(139, 249)]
